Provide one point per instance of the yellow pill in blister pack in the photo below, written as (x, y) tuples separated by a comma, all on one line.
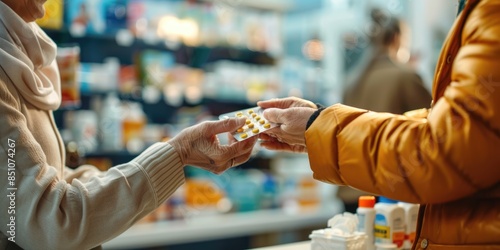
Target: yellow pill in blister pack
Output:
[(255, 123)]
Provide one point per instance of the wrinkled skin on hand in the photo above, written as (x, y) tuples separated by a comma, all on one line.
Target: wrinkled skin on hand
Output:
[(273, 143), (199, 146), (292, 115), (288, 102)]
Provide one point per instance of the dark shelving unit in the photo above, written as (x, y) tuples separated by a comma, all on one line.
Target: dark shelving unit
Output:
[(94, 48)]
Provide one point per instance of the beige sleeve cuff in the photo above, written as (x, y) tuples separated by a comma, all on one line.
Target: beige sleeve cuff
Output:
[(163, 167)]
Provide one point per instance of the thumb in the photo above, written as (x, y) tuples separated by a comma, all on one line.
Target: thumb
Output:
[(274, 115), (227, 125)]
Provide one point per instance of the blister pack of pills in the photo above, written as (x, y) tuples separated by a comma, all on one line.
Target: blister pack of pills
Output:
[(255, 123)]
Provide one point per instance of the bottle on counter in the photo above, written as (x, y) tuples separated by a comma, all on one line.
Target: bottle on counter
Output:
[(411, 217), (389, 222), (366, 215)]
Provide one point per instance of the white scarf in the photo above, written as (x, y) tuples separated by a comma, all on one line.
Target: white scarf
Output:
[(27, 58)]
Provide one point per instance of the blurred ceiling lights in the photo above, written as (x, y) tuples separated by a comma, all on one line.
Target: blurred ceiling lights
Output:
[(175, 29)]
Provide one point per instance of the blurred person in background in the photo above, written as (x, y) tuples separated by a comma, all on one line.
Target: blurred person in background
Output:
[(381, 82), (445, 158), (46, 205)]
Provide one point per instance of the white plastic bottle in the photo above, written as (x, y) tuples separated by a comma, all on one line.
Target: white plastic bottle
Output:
[(389, 222), (110, 124), (366, 216), (411, 217)]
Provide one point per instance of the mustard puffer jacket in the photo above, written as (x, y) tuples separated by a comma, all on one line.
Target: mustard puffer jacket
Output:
[(448, 160)]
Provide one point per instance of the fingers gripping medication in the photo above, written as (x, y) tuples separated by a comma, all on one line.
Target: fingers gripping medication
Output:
[(255, 123)]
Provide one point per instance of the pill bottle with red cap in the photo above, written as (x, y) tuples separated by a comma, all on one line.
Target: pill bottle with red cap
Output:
[(366, 216), (389, 222)]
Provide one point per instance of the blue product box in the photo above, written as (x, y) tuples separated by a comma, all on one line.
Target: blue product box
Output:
[(96, 16)]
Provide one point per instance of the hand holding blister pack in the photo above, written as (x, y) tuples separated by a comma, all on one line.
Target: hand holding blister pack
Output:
[(255, 123)]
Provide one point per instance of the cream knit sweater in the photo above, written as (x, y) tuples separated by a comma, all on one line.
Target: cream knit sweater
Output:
[(56, 207)]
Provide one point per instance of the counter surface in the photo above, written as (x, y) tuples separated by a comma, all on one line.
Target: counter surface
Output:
[(304, 245)]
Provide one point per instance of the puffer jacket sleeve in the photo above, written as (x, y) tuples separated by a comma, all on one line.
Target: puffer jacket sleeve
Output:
[(452, 154)]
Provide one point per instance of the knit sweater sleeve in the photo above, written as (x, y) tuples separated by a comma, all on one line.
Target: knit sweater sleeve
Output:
[(76, 213)]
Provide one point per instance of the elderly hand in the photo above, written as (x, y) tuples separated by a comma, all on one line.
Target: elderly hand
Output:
[(273, 143), (288, 102), (199, 146), (290, 135)]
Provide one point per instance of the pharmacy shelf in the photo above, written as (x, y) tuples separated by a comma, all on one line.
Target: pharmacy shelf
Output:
[(268, 5), (105, 45), (221, 227)]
